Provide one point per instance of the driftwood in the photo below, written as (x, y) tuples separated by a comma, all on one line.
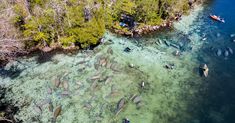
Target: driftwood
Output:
[(4, 119)]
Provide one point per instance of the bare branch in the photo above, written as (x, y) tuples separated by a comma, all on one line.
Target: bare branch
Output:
[(4, 119)]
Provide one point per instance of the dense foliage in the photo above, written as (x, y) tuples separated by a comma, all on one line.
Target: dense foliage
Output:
[(83, 22)]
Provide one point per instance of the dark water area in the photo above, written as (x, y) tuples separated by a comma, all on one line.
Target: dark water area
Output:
[(217, 104), (225, 9), (219, 100)]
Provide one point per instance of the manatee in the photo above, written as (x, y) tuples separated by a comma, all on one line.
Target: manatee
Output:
[(49, 90), (204, 39), (96, 66), (87, 106), (175, 46), (50, 106), (37, 109), (120, 104), (66, 85), (232, 35), (56, 113), (156, 42), (57, 82), (226, 53), (64, 94), (81, 62), (98, 76), (167, 43), (110, 51), (218, 52), (137, 99), (159, 41), (230, 50)]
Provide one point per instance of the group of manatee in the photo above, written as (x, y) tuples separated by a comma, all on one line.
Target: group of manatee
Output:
[(224, 52), (227, 51)]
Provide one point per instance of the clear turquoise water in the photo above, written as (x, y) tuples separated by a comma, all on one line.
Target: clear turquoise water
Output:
[(179, 95)]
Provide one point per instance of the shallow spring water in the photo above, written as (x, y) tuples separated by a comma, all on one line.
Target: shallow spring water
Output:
[(93, 82)]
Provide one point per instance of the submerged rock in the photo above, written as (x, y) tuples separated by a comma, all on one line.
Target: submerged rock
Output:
[(47, 49)]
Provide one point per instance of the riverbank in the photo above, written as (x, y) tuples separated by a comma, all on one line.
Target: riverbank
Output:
[(20, 48), (145, 29)]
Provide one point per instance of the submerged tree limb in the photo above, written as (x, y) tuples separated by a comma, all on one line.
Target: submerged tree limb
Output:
[(4, 119)]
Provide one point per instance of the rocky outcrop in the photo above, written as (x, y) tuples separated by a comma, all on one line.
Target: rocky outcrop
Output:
[(146, 29), (143, 30)]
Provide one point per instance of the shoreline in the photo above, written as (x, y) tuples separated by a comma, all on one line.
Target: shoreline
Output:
[(167, 24), (137, 32)]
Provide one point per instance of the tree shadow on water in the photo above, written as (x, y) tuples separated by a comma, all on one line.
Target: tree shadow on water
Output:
[(9, 73)]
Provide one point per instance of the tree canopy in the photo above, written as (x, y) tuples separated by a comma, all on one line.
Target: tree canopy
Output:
[(83, 22)]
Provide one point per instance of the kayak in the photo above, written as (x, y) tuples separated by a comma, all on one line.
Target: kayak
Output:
[(217, 18)]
